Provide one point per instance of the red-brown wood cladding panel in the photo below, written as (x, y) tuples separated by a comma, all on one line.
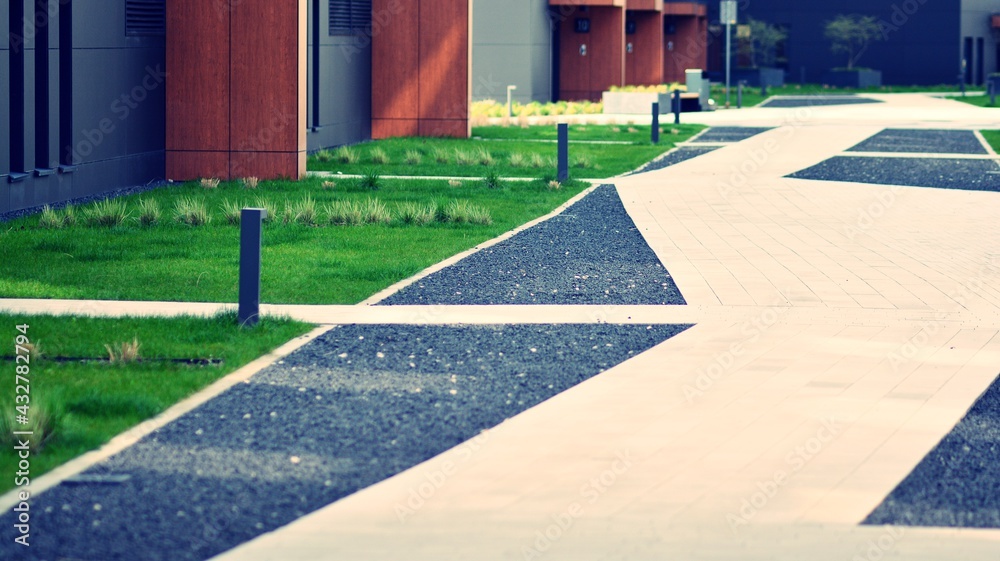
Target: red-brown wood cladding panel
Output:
[(420, 69), (236, 90), (654, 5), (644, 65), (197, 87), (607, 66), (690, 48), (574, 68)]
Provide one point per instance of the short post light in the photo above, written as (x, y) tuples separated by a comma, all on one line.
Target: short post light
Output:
[(654, 133), (251, 226)]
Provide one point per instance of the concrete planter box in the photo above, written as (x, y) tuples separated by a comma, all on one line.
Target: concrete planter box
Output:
[(634, 103), (853, 78), (757, 77)]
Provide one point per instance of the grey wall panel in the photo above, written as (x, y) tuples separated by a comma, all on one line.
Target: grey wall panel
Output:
[(976, 22), (140, 113), (29, 110), (511, 45), (54, 108), (99, 24), (345, 90), (4, 26), (99, 78)]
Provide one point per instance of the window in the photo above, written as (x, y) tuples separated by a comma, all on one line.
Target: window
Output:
[(145, 17), (16, 96), (42, 162), (66, 158), (350, 16)]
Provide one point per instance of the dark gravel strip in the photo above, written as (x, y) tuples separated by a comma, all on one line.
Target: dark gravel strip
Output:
[(930, 141), (815, 101), (79, 201), (729, 134), (675, 157), (957, 484), (592, 253), (352, 408), (969, 175)]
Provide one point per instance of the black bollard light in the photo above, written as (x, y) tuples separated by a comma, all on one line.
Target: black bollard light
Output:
[(677, 107), (739, 95), (251, 225), (654, 134), (563, 172)]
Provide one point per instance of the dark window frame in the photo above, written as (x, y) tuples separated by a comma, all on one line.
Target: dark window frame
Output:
[(18, 165)]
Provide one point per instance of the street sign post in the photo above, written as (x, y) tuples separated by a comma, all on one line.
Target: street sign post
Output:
[(728, 16)]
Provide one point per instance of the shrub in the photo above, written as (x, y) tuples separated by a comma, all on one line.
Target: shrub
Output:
[(209, 183), (379, 156), (347, 155), (50, 219), (44, 421), (262, 202), (413, 157), (492, 179), (232, 211), (304, 212), (484, 157), (149, 212), (582, 162), (344, 213), (324, 156), (454, 183), (374, 211), (416, 214), (251, 183), (440, 156), (464, 212), (464, 158), (124, 353), (108, 213), (554, 185), (370, 179), (517, 160), (329, 185), (536, 160), (191, 212), (69, 215)]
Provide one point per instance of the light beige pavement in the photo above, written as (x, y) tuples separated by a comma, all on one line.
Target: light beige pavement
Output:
[(842, 330)]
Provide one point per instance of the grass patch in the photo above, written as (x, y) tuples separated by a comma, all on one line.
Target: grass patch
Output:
[(993, 138), (173, 261), (752, 97), (80, 405), (520, 155), (975, 99)]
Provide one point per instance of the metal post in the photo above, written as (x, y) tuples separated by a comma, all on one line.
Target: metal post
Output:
[(763, 89), (251, 221), (655, 131), (510, 102), (677, 107), (993, 92), (739, 95), (728, 59), (563, 173)]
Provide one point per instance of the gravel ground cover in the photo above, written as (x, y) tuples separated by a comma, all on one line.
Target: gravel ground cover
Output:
[(592, 253), (356, 406), (957, 484), (970, 175), (929, 141), (675, 157), (815, 101), (729, 134)]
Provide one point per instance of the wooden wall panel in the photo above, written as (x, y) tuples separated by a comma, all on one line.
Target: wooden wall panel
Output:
[(197, 89), (690, 48), (421, 69), (188, 165), (607, 65), (574, 68), (444, 59), (396, 62), (644, 65)]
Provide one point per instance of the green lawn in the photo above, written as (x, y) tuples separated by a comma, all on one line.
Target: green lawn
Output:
[(89, 402), (974, 99), (517, 158), (323, 264), (993, 137), (637, 134), (752, 97)]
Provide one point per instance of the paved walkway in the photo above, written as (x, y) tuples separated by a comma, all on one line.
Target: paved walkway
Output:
[(842, 331)]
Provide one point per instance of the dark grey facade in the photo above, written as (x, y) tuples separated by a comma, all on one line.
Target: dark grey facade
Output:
[(340, 100), (921, 44), (87, 115), (511, 45), (83, 109)]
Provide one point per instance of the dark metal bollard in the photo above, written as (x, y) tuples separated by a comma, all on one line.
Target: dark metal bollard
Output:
[(763, 90), (802, 75), (251, 221), (961, 83), (654, 133), (993, 92), (563, 173), (677, 107), (739, 95)]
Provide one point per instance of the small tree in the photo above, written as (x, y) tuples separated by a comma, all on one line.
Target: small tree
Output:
[(851, 35), (762, 45)]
